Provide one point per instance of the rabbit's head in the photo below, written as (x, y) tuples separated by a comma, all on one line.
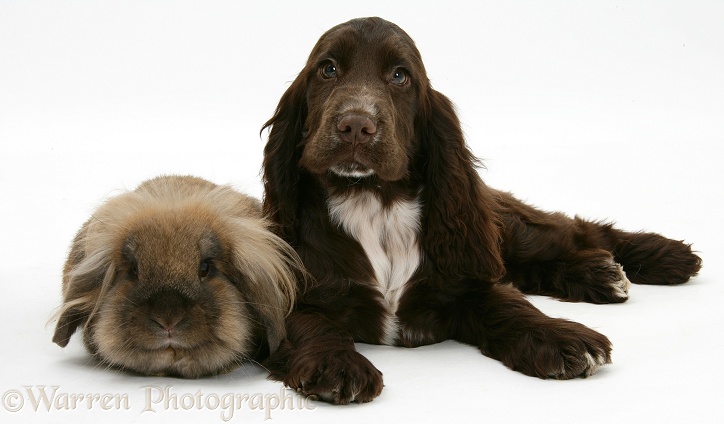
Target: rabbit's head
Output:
[(179, 277)]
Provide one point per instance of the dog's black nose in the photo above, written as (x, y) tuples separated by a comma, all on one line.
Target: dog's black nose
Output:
[(356, 129)]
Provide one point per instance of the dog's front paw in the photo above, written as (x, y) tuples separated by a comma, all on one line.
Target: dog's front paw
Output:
[(338, 377), (560, 349)]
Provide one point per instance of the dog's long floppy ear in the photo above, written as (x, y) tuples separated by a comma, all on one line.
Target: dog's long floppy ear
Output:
[(281, 158), (84, 276), (461, 230)]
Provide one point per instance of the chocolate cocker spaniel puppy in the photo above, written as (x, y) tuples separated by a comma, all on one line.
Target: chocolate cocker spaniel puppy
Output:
[(368, 177)]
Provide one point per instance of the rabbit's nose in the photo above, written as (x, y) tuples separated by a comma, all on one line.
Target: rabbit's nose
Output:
[(167, 309), (167, 324)]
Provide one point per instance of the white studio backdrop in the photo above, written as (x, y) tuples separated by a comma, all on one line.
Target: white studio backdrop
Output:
[(607, 109)]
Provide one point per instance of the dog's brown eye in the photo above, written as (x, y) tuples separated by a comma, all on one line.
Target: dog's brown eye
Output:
[(205, 268), (329, 70), (399, 77)]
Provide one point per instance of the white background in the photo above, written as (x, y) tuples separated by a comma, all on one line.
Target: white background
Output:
[(608, 109)]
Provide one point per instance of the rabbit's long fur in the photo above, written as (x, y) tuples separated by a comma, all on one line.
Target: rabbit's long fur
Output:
[(179, 277)]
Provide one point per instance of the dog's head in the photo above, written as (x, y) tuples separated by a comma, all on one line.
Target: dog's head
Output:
[(363, 80), (180, 277), (362, 113)]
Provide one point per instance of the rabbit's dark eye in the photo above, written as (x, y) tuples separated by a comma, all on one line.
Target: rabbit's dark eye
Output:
[(205, 268), (133, 272)]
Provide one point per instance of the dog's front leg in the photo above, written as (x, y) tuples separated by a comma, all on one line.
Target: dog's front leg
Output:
[(319, 359), (504, 325)]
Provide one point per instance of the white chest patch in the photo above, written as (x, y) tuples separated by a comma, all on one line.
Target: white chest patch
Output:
[(389, 237)]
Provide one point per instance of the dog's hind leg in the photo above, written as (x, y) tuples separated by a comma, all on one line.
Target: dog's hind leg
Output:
[(579, 260)]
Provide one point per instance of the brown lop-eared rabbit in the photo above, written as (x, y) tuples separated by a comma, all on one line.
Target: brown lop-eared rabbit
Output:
[(180, 277)]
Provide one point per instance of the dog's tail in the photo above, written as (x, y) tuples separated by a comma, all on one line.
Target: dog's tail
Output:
[(649, 258)]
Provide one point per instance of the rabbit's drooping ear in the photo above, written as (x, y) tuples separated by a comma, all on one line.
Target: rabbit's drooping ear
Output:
[(268, 270), (83, 278)]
